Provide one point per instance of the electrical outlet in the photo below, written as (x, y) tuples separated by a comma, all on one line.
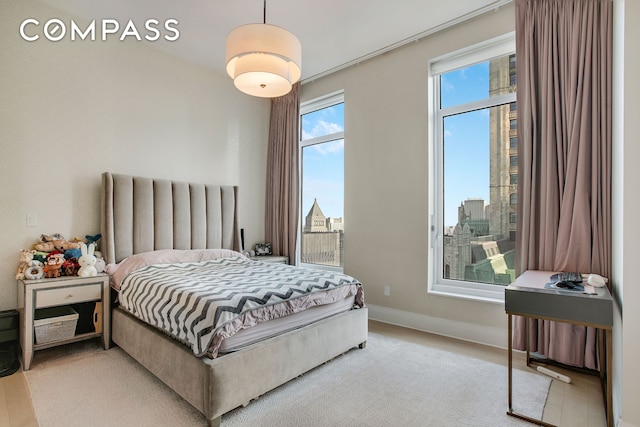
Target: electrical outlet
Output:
[(387, 290)]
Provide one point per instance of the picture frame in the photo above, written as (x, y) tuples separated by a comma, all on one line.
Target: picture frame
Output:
[(263, 249)]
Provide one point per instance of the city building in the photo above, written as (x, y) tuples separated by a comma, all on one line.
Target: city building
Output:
[(480, 247), (322, 238)]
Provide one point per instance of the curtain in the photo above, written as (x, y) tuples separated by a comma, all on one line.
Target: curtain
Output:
[(564, 56), (281, 209)]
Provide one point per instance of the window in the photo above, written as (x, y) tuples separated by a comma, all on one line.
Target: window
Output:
[(473, 171), (322, 219)]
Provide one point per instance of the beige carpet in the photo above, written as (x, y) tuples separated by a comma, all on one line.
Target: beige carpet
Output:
[(391, 382)]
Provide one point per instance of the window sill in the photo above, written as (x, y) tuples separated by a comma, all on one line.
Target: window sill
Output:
[(479, 293)]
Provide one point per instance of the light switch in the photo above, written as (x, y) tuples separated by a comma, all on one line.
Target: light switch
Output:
[(32, 220)]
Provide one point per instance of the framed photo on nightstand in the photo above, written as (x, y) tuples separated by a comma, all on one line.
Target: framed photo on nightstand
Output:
[(263, 249)]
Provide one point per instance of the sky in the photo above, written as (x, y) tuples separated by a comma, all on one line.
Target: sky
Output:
[(466, 148), (323, 164), (466, 139)]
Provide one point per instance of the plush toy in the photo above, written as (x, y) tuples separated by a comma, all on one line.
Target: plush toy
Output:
[(63, 245), (94, 239), (40, 256), (100, 264), (87, 261), (72, 253), (26, 256), (34, 271), (53, 265), (55, 242), (45, 244), (70, 266)]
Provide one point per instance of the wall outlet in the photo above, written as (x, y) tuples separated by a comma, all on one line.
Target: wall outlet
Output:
[(387, 290)]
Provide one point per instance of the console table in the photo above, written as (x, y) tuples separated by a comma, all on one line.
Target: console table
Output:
[(528, 297)]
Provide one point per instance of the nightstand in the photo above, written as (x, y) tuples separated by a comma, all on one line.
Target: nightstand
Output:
[(272, 258), (62, 291)]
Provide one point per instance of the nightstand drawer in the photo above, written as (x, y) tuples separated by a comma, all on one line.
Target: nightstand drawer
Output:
[(67, 295)]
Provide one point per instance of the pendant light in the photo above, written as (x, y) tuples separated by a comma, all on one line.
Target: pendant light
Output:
[(263, 60)]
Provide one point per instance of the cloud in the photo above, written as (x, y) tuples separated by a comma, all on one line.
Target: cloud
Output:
[(329, 147), (321, 128)]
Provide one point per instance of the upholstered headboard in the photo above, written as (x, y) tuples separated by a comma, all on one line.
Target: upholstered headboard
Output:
[(144, 214)]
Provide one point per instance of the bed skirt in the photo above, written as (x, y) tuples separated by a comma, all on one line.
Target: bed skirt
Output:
[(216, 386)]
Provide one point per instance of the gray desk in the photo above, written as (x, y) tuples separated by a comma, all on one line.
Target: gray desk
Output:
[(528, 297)]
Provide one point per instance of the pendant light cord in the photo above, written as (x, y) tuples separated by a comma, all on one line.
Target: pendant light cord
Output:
[(264, 13)]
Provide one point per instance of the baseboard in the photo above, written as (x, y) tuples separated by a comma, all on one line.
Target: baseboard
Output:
[(494, 337)]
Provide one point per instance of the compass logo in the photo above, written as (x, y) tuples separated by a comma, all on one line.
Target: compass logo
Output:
[(55, 30)]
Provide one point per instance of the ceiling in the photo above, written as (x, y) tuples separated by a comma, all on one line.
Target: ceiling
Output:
[(333, 33)]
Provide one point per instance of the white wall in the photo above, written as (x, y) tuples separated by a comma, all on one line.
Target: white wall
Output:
[(72, 110), (626, 210), (386, 192), (386, 183)]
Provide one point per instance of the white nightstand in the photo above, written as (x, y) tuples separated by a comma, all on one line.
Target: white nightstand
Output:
[(61, 291), (272, 258)]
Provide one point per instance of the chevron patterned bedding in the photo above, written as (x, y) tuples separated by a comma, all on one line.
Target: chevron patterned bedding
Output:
[(201, 303)]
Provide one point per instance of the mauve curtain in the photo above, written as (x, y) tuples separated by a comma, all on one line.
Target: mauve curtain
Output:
[(281, 210), (564, 51)]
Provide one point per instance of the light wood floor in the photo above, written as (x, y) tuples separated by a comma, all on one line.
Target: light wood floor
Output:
[(577, 404)]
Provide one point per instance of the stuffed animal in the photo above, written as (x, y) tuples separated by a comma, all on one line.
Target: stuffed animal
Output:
[(40, 256), (73, 253), (45, 244), (53, 265), (87, 261), (94, 239), (26, 256), (55, 242), (63, 245), (100, 264), (70, 266), (34, 271)]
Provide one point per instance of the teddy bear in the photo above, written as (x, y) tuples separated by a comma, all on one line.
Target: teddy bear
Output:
[(55, 242), (53, 265), (26, 256)]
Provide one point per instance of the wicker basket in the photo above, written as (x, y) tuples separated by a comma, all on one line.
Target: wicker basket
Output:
[(55, 324)]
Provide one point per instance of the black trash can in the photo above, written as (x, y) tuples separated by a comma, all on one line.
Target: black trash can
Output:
[(9, 362)]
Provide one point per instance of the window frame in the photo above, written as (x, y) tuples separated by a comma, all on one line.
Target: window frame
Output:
[(481, 52), (307, 107)]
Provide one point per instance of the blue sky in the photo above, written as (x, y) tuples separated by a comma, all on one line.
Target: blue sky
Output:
[(466, 148), (466, 139), (323, 164)]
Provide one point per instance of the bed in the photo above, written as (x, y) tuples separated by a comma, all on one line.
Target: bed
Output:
[(143, 216)]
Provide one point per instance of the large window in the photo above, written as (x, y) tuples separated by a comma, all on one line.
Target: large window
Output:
[(474, 171), (322, 221)]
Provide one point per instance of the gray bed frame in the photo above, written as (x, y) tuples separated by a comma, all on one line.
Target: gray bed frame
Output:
[(144, 214)]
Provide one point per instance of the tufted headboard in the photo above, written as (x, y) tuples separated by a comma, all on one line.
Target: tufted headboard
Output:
[(145, 214)]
